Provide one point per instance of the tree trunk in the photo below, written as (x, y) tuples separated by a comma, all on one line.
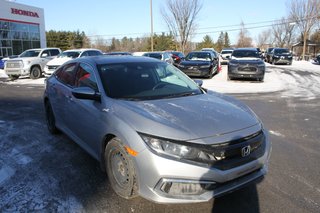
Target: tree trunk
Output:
[(304, 45)]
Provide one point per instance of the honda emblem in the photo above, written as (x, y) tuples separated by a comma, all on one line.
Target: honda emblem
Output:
[(245, 151)]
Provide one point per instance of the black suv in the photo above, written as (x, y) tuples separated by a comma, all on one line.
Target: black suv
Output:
[(281, 56), (268, 54)]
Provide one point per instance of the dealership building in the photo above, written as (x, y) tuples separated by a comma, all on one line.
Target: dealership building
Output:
[(21, 27)]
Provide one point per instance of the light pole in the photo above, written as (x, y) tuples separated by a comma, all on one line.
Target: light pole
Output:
[(151, 25)]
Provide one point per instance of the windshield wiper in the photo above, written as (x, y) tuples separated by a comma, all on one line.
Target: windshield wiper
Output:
[(180, 95)]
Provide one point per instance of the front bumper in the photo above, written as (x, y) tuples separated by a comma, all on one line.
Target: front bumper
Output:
[(155, 173), (246, 71), (197, 71), (15, 71), (282, 60)]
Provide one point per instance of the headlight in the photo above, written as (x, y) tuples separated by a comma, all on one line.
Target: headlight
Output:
[(180, 151), (205, 66), (261, 65), (276, 56)]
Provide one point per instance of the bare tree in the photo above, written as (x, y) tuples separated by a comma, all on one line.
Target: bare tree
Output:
[(181, 18), (283, 32), (305, 13), (264, 39), (244, 39)]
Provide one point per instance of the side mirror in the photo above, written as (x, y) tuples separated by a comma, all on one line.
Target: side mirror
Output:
[(86, 93), (198, 82), (228, 57), (44, 55)]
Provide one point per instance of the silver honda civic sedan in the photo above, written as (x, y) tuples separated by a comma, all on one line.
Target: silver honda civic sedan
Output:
[(157, 133)]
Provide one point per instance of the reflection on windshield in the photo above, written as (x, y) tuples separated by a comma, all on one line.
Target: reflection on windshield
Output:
[(199, 56), (30, 53), (145, 81)]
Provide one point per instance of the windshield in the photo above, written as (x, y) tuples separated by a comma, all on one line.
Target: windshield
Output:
[(69, 54), (226, 51), (245, 54), (199, 56), (145, 81), (30, 53), (154, 55), (281, 51)]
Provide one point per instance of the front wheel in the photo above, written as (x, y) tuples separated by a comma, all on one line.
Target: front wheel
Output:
[(120, 169), (35, 73), (50, 118)]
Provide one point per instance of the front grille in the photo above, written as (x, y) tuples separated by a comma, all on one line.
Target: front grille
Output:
[(50, 67), (230, 154), (14, 64), (247, 69)]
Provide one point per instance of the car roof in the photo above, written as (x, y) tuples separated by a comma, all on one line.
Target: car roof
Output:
[(104, 59), (81, 50), (247, 49)]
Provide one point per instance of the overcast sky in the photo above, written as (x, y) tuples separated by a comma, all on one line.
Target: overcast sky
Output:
[(131, 18)]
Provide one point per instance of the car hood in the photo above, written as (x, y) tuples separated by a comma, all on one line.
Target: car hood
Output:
[(194, 63), (187, 118), (22, 59), (58, 61)]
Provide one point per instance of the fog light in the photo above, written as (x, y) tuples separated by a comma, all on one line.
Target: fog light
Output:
[(180, 187)]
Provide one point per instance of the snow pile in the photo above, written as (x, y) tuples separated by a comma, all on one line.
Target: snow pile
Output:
[(3, 75)]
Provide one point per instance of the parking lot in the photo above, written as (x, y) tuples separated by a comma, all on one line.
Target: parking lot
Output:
[(41, 172)]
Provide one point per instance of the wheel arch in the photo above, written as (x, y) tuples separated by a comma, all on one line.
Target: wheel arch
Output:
[(107, 138)]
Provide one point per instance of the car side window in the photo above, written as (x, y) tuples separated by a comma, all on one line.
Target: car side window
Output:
[(54, 52), (84, 54), (93, 53), (85, 77), (45, 54), (66, 74)]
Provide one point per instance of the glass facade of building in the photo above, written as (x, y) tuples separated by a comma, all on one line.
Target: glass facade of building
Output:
[(15, 37)]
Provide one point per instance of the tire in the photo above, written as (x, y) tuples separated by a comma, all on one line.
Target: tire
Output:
[(13, 77), (120, 169), (50, 119), (35, 72), (273, 61)]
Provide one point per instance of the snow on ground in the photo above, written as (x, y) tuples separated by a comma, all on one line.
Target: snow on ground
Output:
[(302, 79)]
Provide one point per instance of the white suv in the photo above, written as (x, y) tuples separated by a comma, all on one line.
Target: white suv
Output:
[(30, 63), (67, 56)]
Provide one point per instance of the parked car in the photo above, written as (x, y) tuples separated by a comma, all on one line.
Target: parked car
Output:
[(117, 53), (318, 58), (200, 63), (67, 55), (268, 55), (246, 63), (225, 55), (281, 56), (163, 56), (1, 63), (216, 55), (177, 57), (156, 132), (30, 63)]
